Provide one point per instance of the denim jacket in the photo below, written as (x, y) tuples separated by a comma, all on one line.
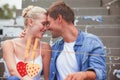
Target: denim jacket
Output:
[(90, 55)]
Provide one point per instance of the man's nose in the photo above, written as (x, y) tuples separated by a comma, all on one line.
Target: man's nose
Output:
[(45, 28)]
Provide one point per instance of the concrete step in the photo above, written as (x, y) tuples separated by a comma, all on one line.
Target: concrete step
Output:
[(115, 10), (97, 20), (106, 1), (83, 3), (113, 52), (114, 6), (114, 60), (113, 71), (85, 27), (102, 26), (90, 11), (1, 53), (2, 69), (113, 55), (114, 2), (111, 41), (81, 11), (101, 30), (75, 3), (104, 31)]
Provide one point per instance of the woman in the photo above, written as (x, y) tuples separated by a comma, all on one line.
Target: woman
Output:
[(14, 49)]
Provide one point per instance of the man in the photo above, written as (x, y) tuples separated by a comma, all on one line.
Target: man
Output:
[(78, 56)]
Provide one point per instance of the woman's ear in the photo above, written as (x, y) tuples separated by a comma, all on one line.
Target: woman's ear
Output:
[(30, 22)]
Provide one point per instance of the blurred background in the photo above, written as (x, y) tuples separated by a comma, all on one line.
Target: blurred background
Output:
[(100, 17)]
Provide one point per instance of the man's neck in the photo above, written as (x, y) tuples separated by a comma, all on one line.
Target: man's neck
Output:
[(70, 34)]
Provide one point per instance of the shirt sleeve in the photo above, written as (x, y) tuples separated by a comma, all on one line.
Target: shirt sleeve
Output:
[(97, 60)]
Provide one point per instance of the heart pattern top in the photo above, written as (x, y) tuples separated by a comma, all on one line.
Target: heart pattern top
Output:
[(32, 69), (29, 69), (21, 68)]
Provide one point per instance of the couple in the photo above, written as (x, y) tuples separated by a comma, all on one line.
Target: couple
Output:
[(72, 58)]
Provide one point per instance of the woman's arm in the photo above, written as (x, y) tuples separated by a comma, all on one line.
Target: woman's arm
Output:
[(46, 55), (8, 55)]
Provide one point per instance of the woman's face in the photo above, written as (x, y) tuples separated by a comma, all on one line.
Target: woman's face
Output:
[(39, 26)]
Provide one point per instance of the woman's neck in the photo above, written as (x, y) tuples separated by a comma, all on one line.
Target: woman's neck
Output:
[(28, 36)]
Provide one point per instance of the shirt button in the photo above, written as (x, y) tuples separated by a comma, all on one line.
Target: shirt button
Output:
[(53, 72), (51, 58)]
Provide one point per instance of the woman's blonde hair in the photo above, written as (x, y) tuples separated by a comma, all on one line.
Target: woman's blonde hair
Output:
[(32, 12)]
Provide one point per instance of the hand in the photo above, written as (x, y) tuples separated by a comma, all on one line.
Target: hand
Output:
[(76, 76), (23, 34)]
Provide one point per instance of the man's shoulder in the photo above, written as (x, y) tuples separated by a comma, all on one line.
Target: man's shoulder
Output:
[(91, 36)]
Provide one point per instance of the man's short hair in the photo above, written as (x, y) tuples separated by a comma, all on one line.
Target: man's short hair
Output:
[(60, 8)]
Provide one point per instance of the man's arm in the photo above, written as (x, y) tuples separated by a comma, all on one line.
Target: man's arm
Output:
[(86, 75)]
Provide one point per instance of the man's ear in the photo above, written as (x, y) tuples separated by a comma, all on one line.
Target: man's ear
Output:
[(60, 18)]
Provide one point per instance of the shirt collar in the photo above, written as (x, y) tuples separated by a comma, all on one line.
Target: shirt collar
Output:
[(79, 39)]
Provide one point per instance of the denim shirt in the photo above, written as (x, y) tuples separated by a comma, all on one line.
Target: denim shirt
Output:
[(89, 52)]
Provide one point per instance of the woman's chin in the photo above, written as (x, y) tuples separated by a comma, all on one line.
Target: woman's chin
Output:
[(40, 36)]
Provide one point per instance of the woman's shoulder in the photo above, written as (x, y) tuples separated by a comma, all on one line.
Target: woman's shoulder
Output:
[(8, 42)]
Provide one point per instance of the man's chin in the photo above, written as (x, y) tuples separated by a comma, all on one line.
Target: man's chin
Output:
[(53, 36)]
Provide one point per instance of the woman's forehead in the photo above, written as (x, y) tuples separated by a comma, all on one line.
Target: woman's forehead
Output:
[(42, 17)]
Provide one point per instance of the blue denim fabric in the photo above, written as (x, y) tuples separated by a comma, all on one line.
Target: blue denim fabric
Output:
[(85, 47), (13, 78)]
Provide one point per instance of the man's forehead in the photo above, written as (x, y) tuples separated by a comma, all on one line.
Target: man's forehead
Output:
[(49, 18)]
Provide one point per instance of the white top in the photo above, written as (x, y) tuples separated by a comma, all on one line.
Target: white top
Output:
[(38, 60), (66, 62)]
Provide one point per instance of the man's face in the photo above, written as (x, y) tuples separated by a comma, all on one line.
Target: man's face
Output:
[(54, 27)]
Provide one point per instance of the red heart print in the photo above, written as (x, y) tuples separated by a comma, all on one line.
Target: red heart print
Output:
[(21, 68)]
